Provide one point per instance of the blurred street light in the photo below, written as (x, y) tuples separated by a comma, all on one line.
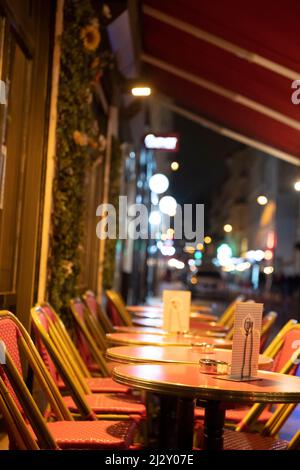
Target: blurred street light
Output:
[(174, 166), (227, 228), (141, 91), (197, 255), (259, 255), (268, 269), (154, 199), (168, 250), (189, 249), (243, 266), (268, 255), (168, 205), (262, 200), (224, 254), (175, 263), (297, 185), (271, 239), (154, 218), (170, 233), (207, 240), (158, 183)]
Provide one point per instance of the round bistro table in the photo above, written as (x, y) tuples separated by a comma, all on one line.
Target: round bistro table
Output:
[(173, 354), (158, 315), (159, 331), (181, 384), (159, 308), (164, 340), (195, 324), (139, 329)]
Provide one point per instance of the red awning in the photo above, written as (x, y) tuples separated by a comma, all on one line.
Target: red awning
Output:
[(230, 62)]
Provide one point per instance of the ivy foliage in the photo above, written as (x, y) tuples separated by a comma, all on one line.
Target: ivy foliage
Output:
[(114, 191), (79, 143)]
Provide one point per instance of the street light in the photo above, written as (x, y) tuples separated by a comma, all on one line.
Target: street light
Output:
[(168, 205), (268, 255), (262, 200), (158, 183), (297, 185), (141, 91), (268, 270), (154, 218), (174, 166), (227, 228)]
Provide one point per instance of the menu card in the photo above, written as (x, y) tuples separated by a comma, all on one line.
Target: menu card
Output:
[(246, 341), (176, 310)]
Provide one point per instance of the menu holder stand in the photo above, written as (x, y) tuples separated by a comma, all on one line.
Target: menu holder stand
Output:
[(246, 342)]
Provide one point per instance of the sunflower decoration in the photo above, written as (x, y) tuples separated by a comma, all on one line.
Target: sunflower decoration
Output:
[(80, 138), (67, 266), (91, 35)]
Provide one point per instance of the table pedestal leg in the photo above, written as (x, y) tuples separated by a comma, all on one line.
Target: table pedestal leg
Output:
[(167, 422), (185, 423), (213, 425), (176, 425)]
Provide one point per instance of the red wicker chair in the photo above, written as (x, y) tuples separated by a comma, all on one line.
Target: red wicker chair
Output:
[(26, 426), (95, 310), (95, 384), (90, 350), (233, 440), (60, 363)]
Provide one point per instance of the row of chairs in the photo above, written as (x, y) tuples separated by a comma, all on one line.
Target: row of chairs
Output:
[(84, 412), (66, 374), (89, 316)]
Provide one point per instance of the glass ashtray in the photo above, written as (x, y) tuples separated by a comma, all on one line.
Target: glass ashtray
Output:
[(203, 348), (211, 366)]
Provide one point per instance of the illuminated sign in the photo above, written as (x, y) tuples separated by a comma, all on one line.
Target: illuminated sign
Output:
[(169, 142)]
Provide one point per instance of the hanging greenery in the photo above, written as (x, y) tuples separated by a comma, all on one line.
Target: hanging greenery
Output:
[(114, 191), (80, 141)]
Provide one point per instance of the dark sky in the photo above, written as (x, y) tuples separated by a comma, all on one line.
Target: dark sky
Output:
[(202, 158)]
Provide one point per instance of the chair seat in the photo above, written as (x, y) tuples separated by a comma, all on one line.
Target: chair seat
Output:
[(93, 434), (245, 441), (109, 404), (251, 441), (94, 368), (100, 385), (105, 384), (235, 416)]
